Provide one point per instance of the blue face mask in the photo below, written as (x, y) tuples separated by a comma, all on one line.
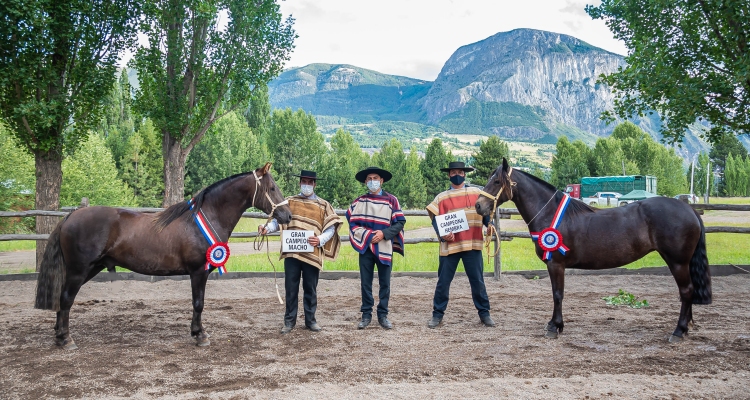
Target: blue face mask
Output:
[(374, 186), (457, 179)]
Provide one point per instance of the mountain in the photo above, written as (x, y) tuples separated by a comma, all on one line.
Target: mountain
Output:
[(348, 91), (522, 85)]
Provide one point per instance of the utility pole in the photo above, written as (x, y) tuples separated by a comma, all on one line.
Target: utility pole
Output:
[(692, 175), (708, 180), (623, 167)]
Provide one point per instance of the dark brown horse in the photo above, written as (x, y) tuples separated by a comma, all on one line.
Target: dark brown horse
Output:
[(169, 243), (609, 238)]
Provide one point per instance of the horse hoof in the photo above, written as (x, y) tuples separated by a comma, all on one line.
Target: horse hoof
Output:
[(69, 345), (674, 339), (203, 343), (550, 334)]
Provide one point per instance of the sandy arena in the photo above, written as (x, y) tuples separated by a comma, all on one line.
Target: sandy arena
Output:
[(133, 342)]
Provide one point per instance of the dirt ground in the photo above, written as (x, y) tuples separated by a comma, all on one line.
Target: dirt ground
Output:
[(133, 340)]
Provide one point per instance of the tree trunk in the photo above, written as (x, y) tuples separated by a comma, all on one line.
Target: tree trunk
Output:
[(48, 182), (174, 171)]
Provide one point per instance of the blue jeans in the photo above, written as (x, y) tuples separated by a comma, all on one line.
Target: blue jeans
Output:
[(367, 263), (474, 267)]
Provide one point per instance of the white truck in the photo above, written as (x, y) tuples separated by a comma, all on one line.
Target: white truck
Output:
[(600, 199)]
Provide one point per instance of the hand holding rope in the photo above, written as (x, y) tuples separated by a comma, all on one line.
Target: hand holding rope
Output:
[(258, 246)]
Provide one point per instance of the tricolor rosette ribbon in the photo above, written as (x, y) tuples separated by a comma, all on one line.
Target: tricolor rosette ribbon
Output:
[(550, 239), (217, 255)]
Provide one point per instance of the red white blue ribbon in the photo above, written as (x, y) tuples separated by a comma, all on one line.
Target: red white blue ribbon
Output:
[(218, 252), (550, 239)]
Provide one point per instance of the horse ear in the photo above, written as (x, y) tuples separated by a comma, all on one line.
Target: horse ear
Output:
[(505, 165), (265, 168)]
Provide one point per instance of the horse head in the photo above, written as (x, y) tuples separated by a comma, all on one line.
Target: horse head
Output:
[(498, 190), (268, 197)]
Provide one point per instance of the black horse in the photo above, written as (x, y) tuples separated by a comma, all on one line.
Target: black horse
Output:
[(608, 238), (170, 243)]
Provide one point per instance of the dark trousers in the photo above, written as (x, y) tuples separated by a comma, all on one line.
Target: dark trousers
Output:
[(295, 269), (474, 267), (367, 263)]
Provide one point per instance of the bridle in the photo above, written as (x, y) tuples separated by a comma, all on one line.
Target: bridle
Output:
[(491, 230), (505, 186), (273, 205)]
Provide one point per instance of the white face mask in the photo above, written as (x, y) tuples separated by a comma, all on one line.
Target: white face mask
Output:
[(307, 190), (374, 186)]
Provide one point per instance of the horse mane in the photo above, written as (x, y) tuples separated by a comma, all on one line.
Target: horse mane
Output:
[(166, 217), (575, 206)]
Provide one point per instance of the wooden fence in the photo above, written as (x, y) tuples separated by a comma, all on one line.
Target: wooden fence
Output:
[(501, 213)]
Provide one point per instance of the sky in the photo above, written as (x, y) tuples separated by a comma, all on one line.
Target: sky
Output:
[(415, 38)]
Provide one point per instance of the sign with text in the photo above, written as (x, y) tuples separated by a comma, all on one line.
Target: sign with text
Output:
[(296, 242), (452, 222)]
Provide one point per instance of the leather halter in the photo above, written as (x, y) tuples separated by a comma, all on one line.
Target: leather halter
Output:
[(500, 192), (273, 205)]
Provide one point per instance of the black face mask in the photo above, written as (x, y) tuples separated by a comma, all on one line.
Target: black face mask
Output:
[(457, 179)]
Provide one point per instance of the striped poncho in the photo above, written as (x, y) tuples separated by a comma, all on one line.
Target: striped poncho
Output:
[(315, 215), (375, 212), (454, 200)]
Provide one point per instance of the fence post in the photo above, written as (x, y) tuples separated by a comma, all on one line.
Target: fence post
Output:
[(84, 202), (498, 261)]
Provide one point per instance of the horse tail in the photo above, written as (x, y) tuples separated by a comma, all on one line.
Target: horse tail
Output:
[(51, 276), (700, 274)]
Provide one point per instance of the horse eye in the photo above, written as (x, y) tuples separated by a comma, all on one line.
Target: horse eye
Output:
[(497, 182), (273, 189)]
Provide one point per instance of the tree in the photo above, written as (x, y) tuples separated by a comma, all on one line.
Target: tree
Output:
[(57, 63), (414, 192), (91, 173), (195, 71), (391, 158), (699, 182), (230, 147), (687, 60), (487, 159), (570, 162), (16, 183), (727, 144), (736, 177), (435, 157), (338, 184), (608, 158), (141, 166), (118, 125), (294, 144)]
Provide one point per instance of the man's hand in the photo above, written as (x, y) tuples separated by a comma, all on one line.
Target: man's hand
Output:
[(313, 241), (262, 229), (449, 237), (378, 236)]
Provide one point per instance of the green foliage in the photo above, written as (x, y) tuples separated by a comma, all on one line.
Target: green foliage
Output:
[(487, 159), (337, 184), (294, 144), (194, 71), (687, 60), (435, 157), (91, 172), (570, 162), (480, 117), (117, 123), (737, 176), (624, 298), (16, 183), (628, 145), (726, 145), (58, 64), (229, 148), (414, 192), (699, 182), (141, 166), (391, 157)]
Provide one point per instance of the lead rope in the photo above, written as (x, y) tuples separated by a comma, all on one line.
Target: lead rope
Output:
[(258, 243), (491, 227), (258, 246)]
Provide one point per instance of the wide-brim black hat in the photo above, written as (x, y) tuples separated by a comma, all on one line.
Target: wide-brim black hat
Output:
[(362, 175), (458, 165), (307, 174)]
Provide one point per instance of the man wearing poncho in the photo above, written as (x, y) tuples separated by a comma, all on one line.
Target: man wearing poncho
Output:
[(309, 213), (376, 225), (463, 246)]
